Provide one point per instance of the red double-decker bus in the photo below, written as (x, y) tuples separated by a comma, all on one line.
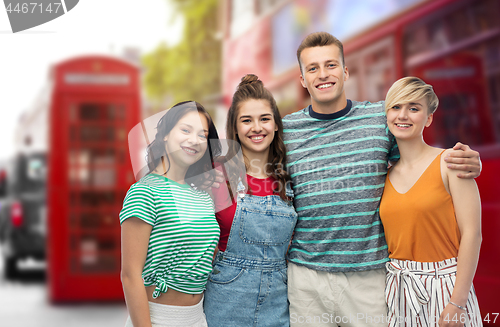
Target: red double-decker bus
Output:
[(452, 44)]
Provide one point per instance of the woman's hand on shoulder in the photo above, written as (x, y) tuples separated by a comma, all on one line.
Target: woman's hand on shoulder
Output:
[(465, 196), (465, 160), (458, 186), (211, 183)]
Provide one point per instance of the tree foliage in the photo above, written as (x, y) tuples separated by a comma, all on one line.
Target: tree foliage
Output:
[(191, 70)]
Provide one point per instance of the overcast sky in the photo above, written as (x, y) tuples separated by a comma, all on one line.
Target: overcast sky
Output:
[(92, 27)]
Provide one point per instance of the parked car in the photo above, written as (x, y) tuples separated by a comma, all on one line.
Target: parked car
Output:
[(23, 210)]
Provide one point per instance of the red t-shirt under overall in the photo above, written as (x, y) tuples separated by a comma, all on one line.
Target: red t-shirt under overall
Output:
[(225, 209)]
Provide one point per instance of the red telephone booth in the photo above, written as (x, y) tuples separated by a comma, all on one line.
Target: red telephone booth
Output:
[(95, 102)]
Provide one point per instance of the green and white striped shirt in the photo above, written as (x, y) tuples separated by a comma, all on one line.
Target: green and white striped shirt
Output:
[(185, 233), (338, 164)]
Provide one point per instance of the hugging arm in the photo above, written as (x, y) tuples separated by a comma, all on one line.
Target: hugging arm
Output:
[(465, 160)]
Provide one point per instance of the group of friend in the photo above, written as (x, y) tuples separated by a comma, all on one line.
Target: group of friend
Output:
[(341, 214)]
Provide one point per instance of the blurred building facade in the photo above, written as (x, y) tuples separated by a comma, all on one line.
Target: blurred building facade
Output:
[(452, 44)]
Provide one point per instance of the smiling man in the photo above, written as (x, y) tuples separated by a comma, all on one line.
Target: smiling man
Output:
[(324, 74), (338, 152)]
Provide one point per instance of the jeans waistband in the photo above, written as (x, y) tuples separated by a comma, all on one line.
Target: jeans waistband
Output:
[(252, 263)]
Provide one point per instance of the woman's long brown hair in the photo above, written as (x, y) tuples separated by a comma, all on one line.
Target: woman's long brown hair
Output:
[(251, 87)]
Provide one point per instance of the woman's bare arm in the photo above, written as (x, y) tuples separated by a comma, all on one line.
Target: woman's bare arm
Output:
[(467, 204), (135, 235)]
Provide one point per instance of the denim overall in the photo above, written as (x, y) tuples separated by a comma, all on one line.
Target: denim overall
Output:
[(248, 284)]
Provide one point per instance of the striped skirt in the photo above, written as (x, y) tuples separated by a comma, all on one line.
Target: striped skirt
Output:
[(417, 293)]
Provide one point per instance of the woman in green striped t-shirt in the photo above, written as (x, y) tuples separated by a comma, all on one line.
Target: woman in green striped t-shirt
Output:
[(169, 230)]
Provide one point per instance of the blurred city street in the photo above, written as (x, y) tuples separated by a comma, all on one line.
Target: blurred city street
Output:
[(24, 303), (79, 92)]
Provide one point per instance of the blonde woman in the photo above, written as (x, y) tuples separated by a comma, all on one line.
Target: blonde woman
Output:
[(431, 218)]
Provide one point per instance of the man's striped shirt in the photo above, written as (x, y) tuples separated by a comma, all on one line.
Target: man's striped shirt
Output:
[(185, 233), (338, 164)]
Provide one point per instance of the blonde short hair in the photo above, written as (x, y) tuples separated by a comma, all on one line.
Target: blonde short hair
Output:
[(411, 89)]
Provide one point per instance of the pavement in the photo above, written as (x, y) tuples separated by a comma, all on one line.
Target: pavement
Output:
[(24, 303)]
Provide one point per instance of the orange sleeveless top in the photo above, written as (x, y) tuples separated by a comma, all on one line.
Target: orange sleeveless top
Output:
[(420, 225)]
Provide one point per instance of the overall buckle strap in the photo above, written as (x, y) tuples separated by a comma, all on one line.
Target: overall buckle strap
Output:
[(241, 189)]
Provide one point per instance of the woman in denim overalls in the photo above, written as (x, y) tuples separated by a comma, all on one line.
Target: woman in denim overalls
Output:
[(247, 286)]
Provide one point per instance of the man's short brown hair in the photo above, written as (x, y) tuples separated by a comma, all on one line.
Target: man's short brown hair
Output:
[(320, 39)]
